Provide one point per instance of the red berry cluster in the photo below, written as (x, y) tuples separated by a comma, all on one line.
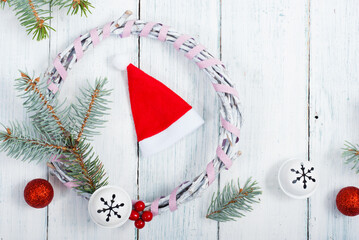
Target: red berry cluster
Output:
[(140, 220)]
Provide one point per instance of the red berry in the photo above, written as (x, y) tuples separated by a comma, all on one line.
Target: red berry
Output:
[(147, 216), (139, 206), (134, 215), (139, 223)]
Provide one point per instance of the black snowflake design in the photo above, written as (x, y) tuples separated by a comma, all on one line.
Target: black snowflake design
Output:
[(110, 207), (303, 174)]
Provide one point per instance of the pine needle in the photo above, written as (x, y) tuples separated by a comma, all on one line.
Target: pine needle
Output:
[(33, 18), (351, 155), (3, 3), (233, 201)]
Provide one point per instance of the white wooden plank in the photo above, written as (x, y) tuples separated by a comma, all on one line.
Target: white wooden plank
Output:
[(334, 100), (264, 45), (116, 146), (161, 173), (18, 51)]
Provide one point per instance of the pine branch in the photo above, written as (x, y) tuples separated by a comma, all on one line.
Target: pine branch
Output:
[(73, 6), (90, 108), (23, 142), (84, 166), (3, 3), (48, 135), (42, 112), (233, 201), (33, 18), (351, 155), (36, 20)]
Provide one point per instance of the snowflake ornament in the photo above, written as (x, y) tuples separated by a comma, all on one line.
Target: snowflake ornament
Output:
[(303, 174), (110, 208), (297, 178)]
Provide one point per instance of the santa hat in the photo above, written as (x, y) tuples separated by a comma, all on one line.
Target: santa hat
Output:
[(161, 117)]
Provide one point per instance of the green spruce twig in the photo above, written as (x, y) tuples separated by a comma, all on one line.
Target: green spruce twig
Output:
[(35, 18), (3, 3), (51, 134), (73, 6), (351, 155), (233, 201), (90, 108)]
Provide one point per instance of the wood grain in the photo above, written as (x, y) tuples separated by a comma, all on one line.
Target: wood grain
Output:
[(335, 101), (264, 45)]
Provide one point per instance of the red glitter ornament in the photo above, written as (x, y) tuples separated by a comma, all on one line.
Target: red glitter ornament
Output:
[(38, 193), (348, 201)]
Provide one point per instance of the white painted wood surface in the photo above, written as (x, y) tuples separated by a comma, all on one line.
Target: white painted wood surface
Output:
[(292, 61)]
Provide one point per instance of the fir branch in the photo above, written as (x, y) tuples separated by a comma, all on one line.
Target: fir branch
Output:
[(36, 20), (3, 3), (48, 135), (33, 18), (90, 109), (233, 201), (85, 167), (44, 115), (351, 155), (73, 6), (80, 5), (20, 141)]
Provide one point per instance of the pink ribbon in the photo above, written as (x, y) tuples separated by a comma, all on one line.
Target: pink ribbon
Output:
[(230, 127), (194, 51), (127, 29), (173, 200), (71, 184), (53, 88), (223, 157), (225, 89), (211, 174), (60, 69), (106, 30), (147, 29), (163, 33), (78, 48), (209, 63), (154, 206), (181, 40), (94, 37)]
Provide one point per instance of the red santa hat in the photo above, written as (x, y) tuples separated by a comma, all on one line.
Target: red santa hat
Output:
[(161, 117)]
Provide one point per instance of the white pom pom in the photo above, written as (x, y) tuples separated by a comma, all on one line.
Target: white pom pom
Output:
[(121, 61)]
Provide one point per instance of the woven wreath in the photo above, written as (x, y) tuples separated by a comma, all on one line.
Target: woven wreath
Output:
[(230, 115)]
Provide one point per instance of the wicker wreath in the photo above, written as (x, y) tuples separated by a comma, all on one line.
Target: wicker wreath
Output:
[(230, 115)]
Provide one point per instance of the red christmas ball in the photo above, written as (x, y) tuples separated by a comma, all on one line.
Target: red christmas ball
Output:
[(38, 193), (139, 223), (134, 215), (147, 216), (348, 201), (139, 206)]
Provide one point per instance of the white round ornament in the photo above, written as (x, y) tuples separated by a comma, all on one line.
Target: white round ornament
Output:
[(110, 206), (298, 178)]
